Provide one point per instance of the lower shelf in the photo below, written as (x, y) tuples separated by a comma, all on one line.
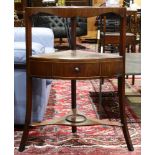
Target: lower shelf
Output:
[(79, 120)]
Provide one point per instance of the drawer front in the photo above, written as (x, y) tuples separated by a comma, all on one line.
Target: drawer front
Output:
[(63, 70), (41, 69), (76, 70), (111, 68)]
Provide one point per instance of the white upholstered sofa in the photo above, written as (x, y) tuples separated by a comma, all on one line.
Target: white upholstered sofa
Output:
[(42, 41)]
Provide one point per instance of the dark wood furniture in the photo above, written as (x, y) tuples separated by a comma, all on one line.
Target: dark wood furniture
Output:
[(75, 65), (113, 37)]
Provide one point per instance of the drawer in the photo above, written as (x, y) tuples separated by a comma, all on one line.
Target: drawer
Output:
[(111, 68), (75, 70), (41, 69)]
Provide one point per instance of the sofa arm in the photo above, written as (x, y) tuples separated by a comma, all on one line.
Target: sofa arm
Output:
[(40, 35), (20, 51)]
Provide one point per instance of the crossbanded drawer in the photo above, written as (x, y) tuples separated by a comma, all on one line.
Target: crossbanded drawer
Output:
[(111, 68), (76, 70)]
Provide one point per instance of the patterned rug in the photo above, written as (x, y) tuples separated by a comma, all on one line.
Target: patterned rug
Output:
[(92, 140)]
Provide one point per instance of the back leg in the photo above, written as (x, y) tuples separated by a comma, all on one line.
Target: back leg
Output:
[(121, 92)]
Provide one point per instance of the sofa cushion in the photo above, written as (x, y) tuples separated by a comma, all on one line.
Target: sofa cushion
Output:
[(20, 51)]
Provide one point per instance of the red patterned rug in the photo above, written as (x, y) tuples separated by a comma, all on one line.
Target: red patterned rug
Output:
[(92, 140)]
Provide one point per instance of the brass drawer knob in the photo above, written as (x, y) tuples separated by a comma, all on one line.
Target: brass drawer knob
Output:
[(77, 69)]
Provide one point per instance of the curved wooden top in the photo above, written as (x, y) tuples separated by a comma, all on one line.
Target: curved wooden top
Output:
[(74, 11), (76, 65), (75, 55)]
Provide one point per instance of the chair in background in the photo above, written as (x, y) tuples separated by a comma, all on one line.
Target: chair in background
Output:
[(109, 33), (108, 27)]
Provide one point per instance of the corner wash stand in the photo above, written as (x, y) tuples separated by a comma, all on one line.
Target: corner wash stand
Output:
[(76, 65)]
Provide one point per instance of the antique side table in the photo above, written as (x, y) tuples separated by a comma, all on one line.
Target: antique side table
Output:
[(75, 65)]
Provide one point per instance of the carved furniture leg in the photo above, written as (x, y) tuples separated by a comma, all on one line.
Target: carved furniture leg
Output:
[(121, 92), (28, 114), (73, 96), (133, 79)]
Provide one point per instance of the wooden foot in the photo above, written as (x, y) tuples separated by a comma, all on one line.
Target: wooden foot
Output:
[(74, 129), (24, 138), (121, 91), (73, 103)]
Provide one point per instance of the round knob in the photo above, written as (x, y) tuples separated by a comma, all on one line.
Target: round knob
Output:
[(77, 69)]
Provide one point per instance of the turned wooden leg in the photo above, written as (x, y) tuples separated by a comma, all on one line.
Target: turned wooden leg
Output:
[(133, 79), (28, 114), (73, 96), (121, 92)]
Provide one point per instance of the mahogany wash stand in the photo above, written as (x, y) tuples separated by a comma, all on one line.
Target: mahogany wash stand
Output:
[(75, 65)]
